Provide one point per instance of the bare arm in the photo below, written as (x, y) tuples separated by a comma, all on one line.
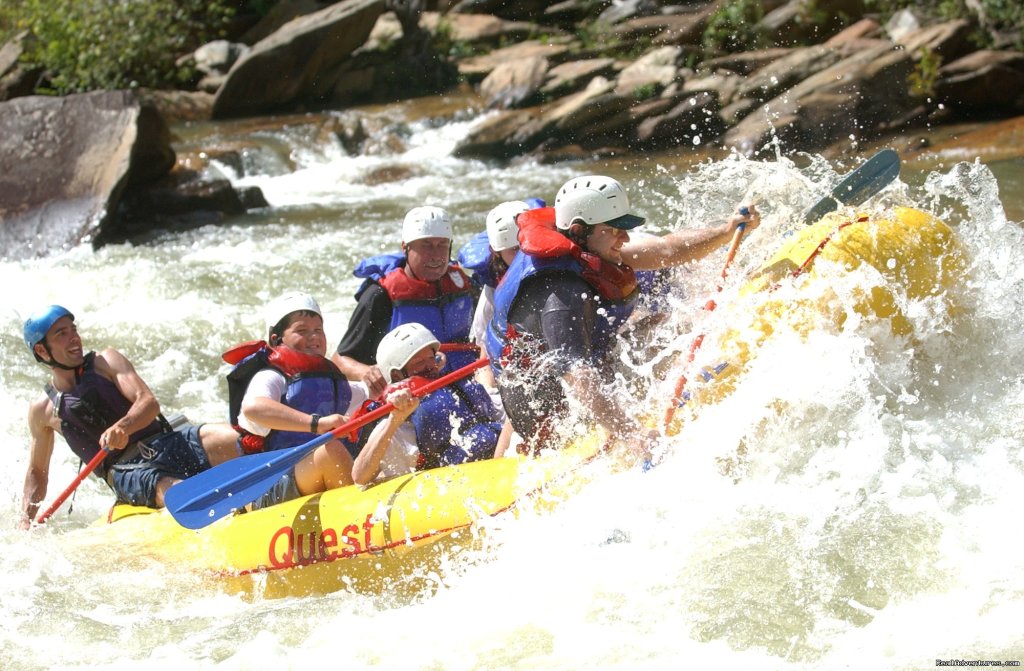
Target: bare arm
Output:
[(368, 374), (40, 450), (584, 384), (684, 246), (276, 415), (367, 464), (144, 409)]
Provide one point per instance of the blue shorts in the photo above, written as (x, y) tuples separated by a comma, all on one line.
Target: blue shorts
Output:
[(283, 490), (177, 454)]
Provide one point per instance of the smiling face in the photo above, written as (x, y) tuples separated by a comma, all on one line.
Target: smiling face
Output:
[(64, 343), (606, 242), (427, 258), (305, 333)]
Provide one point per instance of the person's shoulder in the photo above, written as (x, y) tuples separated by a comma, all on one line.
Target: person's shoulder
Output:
[(111, 359), (40, 407)]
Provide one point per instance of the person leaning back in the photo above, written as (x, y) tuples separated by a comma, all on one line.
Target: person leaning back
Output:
[(96, 400)]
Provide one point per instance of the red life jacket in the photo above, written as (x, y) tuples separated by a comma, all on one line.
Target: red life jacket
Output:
[(539, 238)]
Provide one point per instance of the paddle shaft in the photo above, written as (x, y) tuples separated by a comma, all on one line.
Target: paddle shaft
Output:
[(680, 387), (216, 492), (82, 475), (431, 386)]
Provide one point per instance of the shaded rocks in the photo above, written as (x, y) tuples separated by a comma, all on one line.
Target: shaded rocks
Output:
[(298, 62), (67, 165)]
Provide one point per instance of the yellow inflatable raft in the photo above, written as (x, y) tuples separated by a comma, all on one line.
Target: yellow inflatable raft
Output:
[(372, 538), (908, 255), (362, 538)]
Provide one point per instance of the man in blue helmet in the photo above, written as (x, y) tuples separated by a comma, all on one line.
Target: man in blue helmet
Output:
[(97, 400)]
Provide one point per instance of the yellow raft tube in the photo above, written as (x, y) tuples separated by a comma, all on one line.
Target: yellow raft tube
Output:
[(911, 255), (361, 538), (367, 538)]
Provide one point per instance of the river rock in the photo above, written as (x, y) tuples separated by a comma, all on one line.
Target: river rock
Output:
[(294, 63), (65, 162), (856, 96), (984, 81), (566, 78), (16, 79), (514, 83), (478, 30), (476, 68)]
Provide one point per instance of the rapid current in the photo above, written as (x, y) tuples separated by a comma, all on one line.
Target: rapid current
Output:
[(855, 503)]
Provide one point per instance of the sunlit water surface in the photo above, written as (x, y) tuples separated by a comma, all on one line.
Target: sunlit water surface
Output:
[(871, 519)]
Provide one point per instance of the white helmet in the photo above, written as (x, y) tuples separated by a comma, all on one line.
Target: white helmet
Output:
[(287, 303), (502, 229), (400, 345), (594, 200), (426, 222)]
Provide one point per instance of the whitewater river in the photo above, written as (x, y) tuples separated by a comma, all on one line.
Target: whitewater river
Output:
[(855, 504)]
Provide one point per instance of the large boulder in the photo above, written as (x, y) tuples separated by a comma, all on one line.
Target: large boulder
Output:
[(16, 79), (984, 82), (295, 63), (64, 163), (855, 97)]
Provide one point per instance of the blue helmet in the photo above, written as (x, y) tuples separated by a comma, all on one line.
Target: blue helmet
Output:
[(40, 322), (534, 202)]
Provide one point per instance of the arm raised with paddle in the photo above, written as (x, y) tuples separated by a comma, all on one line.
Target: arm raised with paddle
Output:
[(212, 494), (861, 184)]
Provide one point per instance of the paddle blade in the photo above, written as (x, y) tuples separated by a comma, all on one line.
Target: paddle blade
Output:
[(863, 183), (206, 497)]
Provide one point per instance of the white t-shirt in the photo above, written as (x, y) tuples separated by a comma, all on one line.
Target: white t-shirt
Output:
[(483, 315), (269, 383), (402, 452)]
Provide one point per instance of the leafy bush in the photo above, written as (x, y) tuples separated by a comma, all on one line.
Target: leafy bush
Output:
[(734, 27), (108, 44), (995, 20)]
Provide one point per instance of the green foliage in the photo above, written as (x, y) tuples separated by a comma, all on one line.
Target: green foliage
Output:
[(991, 18), (925, 75), (733, 27), (646, 91), (108, 44)]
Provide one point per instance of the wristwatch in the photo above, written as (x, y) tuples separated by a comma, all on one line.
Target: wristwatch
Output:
[(314, 420)]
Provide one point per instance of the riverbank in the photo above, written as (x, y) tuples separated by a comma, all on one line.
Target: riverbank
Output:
[(545, 85)]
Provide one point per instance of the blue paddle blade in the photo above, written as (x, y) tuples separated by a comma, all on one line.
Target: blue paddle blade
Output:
[(208, 496), (863, 183)]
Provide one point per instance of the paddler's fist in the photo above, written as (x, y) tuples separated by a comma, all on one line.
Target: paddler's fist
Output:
[(328, 423), (114, 438), (745, 214), (374, 381), (405, 403)]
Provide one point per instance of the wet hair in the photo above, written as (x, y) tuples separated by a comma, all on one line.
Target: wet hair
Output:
[(498, 265), (581, 235), (286, 321)]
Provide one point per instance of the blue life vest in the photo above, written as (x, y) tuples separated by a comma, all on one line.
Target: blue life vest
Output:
[(445, 306), (475, 255), (315, 386), (464, 409), (558, 257)]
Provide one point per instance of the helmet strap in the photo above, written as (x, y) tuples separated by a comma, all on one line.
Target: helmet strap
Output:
[(53, 363)]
